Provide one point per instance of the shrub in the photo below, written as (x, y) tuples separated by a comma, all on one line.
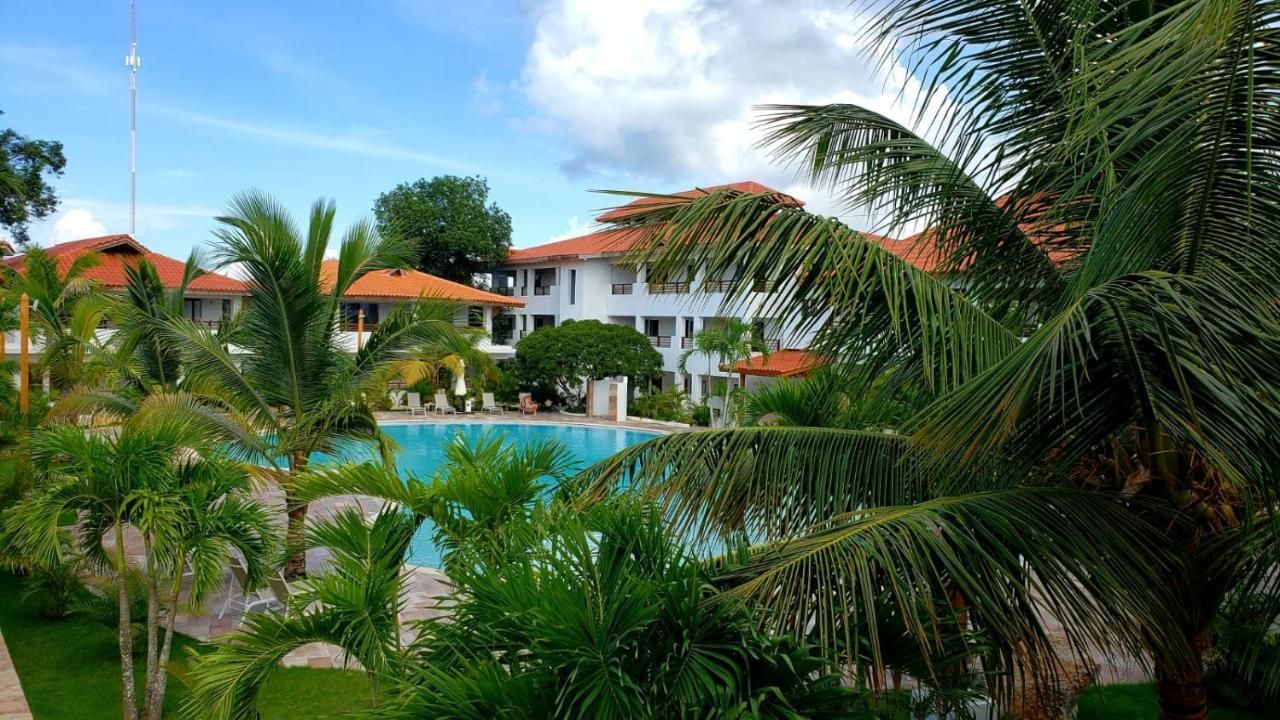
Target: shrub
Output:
[(553, 361), (54, 590), (670, 405)]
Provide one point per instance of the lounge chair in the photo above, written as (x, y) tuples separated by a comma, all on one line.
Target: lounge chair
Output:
[(442, 405), (248, 600), (528, 406), (488, 405), (415, 404)]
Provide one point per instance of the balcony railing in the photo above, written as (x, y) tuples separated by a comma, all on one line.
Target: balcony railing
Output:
[(524, 289), (503, 291), (713, 286), (668, 288), (661, 341), (624, 288), (350, 325), (686, 343), (773, 344), (542, 289), (762, 286)]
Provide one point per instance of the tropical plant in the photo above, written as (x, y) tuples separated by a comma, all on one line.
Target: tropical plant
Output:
[(54, 588), (163, 474), (670, 405), (553, 613), (1092, 346), (728, 342), (66, 309), (292, 377)]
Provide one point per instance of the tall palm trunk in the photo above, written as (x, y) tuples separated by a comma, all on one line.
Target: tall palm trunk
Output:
[(1181, 693), (295, 564), (155, 693), (153, 628), (128, 702)]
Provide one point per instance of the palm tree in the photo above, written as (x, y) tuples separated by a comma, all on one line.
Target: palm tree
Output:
[(67, 309), (163, 474), (1092, 356), (729, 342), (290, 373)]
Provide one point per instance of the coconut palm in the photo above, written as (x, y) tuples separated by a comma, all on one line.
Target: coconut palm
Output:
[(290, 373), (163, 475), (1094, 343)]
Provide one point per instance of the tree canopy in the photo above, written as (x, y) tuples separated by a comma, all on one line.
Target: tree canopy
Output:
[(25, 193), (554, 360), (450, 220)]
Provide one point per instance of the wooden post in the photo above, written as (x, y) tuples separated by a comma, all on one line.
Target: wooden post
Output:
[(360, 327), (24, 354)]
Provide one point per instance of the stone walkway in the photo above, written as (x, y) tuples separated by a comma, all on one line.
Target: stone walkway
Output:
[(13, 704)]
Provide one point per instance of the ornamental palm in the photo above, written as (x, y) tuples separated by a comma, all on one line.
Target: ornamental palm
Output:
[(66, 310), (1093, 355), (728, 342), (282, 363)]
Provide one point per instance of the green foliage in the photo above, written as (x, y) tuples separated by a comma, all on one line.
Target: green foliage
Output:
[(606, 615), (670, 405), (455, 231), (26, 166), (55, 589), (1244, 665), (553, 360)]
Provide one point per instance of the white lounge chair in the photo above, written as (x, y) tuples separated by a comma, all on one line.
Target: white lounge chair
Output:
[(415, 404), (248, 600), (442, 405), (488, 405)]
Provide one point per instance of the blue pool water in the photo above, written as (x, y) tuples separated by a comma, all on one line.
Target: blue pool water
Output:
[(422, 451)]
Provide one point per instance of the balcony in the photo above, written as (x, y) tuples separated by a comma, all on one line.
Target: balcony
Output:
[(660, 341), (542, 289), (350, 326), (624, 288), (668, 288), (762, 286), (686, 343), (524, 289), (719, 286), (772, 344), (508, 291)]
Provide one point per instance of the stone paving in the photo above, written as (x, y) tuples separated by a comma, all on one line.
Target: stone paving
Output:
[(13, 703)]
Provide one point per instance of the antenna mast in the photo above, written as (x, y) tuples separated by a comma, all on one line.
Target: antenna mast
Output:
[(132, 61)]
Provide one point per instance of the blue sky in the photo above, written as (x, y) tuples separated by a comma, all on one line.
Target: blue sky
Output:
[(545, 98)]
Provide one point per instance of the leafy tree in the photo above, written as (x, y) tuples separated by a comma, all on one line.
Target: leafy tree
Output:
[(291, 375), (1093, 363), (554, 360), (25, 193), (456, 231)]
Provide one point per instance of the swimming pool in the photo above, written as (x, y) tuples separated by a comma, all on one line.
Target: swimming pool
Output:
[(422, 450)]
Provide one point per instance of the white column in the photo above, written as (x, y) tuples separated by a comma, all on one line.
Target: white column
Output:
[(487, 314)]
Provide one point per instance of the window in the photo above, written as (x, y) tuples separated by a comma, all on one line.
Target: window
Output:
[(688, 327), (573, 287), (192, 308), (651, 327), (475, 316), (226, 309), (524, 323), (688, 384)]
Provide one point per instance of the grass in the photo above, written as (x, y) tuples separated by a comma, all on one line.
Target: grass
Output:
[(71, 669), (1138, 702)]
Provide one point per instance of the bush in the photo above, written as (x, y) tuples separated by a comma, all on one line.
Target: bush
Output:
[(54, 590), (669, 405)]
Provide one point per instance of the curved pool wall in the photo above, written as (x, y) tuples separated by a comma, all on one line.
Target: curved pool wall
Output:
[(422, 448)]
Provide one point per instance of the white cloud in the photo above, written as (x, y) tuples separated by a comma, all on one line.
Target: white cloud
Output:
[(486, 95), (152, 217), (574, 227), (75, 224), (45, 67), (665, 89), (367, 144)]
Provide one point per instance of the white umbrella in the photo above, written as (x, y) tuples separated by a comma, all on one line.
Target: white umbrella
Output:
[(460, 380)]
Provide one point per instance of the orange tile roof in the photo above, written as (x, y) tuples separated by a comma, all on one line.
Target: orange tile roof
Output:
[(780, 363), (115, 251), (409, 284), (622, 239), (749, 187)]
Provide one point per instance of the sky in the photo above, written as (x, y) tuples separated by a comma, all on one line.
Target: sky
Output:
[(547, 99)]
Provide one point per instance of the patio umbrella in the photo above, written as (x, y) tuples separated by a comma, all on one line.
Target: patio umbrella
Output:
[(460, 380)]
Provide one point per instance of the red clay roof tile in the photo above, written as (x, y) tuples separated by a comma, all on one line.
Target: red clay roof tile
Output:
[(115, 251), (409, 284)]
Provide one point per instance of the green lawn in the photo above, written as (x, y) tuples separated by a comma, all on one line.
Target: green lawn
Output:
[(1138, 702), (71, 669)]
